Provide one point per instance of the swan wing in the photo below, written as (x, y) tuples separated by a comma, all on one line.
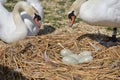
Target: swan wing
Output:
[(4, 14), (7, 25), (3, 1), (7, 29)]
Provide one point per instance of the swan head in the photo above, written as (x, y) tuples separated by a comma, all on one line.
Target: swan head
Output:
[(35, 15), (22, 6), (72, 17), (74, 10)]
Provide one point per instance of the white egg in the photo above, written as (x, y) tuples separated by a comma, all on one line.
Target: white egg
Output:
[(76, 56), (69, 60), (85, 53), (85, 59), (65, 52)]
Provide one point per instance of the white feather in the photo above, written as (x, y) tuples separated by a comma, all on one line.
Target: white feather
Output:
[(101, 12), (32, 27)]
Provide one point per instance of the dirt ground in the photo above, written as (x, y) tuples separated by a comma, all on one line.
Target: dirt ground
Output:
[(38, 57)]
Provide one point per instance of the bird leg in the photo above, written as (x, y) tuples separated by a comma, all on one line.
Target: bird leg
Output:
[(114, 39)]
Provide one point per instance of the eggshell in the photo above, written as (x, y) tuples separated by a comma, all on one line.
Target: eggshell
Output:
[(69, 60), (85, 53), (85, 59), (65, 52), (76, 56)]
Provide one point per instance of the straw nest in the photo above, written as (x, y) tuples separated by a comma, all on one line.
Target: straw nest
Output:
[(39, 58)]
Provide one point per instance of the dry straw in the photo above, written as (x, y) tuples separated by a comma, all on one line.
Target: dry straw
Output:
[(38, 58)]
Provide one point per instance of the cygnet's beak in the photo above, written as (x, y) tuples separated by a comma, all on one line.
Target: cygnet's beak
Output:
[(37, 20)]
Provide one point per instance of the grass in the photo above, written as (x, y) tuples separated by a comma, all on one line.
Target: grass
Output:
[(9, 8), (111, 29)]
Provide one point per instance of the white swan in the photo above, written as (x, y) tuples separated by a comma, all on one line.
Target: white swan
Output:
[(97, 12), (32, 27), (12, 27), (3, 1)]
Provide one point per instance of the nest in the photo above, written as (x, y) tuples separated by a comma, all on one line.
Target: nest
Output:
[(39, 58)]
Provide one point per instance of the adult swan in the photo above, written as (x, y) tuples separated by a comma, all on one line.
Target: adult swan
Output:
[(12, 26), (97, 12), (32, 28)]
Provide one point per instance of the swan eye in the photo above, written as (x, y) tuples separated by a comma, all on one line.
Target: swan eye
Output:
[(37, 16), (71, 14)]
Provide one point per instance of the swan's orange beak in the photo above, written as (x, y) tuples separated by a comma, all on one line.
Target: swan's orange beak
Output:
[(72, 20), (37, 22), (72, 17)]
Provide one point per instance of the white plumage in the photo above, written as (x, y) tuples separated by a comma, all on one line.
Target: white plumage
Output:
[(3, 1), (12, 27), (101, 12), (33, 29), (97, 12)]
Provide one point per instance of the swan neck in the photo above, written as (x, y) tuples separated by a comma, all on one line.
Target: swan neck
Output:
[(16, 14), (21, 27), (23, 6), (76, 6), (20, 7)]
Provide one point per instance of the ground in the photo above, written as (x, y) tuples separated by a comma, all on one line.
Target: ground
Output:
[(38, 57)]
